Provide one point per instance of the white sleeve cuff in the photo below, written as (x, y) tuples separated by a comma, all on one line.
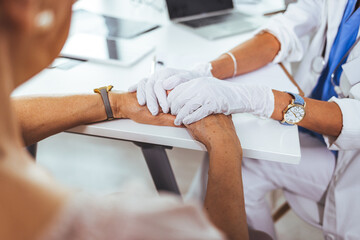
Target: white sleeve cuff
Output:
[(349, 138)]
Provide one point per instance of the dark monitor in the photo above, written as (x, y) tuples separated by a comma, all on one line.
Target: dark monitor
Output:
[(185, 8)]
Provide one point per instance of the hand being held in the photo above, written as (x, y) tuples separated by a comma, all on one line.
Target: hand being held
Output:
[(152, 91), (125, 105), (214, 130)]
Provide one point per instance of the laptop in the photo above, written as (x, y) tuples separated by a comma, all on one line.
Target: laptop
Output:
[(211, 19)]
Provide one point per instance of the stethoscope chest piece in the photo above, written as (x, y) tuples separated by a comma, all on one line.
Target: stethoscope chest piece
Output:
[(318, 64)]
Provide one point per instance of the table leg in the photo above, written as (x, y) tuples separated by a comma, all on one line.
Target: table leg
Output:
[(159, 167)]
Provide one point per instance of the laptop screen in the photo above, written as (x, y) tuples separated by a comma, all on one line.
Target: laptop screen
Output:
[(185, 8)]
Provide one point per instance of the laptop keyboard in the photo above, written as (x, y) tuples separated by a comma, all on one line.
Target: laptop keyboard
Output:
[(214, 20)]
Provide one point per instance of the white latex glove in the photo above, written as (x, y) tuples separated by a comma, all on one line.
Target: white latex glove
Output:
[(150, 91), (201, 97)]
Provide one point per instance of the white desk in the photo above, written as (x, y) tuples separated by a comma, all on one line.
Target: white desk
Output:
[(260, 138)]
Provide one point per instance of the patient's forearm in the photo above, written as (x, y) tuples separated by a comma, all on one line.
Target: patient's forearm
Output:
[(250, 55), (41, 117), (224, 200)]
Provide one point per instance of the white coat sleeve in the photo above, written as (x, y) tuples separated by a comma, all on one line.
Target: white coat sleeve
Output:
[(349, 138), (300, 19)]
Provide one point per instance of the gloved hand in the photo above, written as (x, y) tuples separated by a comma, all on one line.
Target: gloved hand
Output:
[(150, 91), (194, 100)]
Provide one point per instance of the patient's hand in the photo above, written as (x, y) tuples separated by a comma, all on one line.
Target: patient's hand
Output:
[(215, 130), (125, 105), (224, 200)]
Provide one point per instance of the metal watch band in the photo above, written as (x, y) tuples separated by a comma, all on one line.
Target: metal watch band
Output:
[(103, 91)]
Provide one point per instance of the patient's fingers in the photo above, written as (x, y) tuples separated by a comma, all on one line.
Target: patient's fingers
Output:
[(164, 119)]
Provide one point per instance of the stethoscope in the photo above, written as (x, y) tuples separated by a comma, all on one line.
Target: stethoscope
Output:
[(318, 65)]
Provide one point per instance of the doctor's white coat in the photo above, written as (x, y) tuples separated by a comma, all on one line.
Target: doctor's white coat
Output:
[(320, 19)]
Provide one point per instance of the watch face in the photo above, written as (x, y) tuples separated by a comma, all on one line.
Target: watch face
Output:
[(294, 114)]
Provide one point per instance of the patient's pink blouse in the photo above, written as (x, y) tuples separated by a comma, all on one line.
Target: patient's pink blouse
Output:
[(130, 217)]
